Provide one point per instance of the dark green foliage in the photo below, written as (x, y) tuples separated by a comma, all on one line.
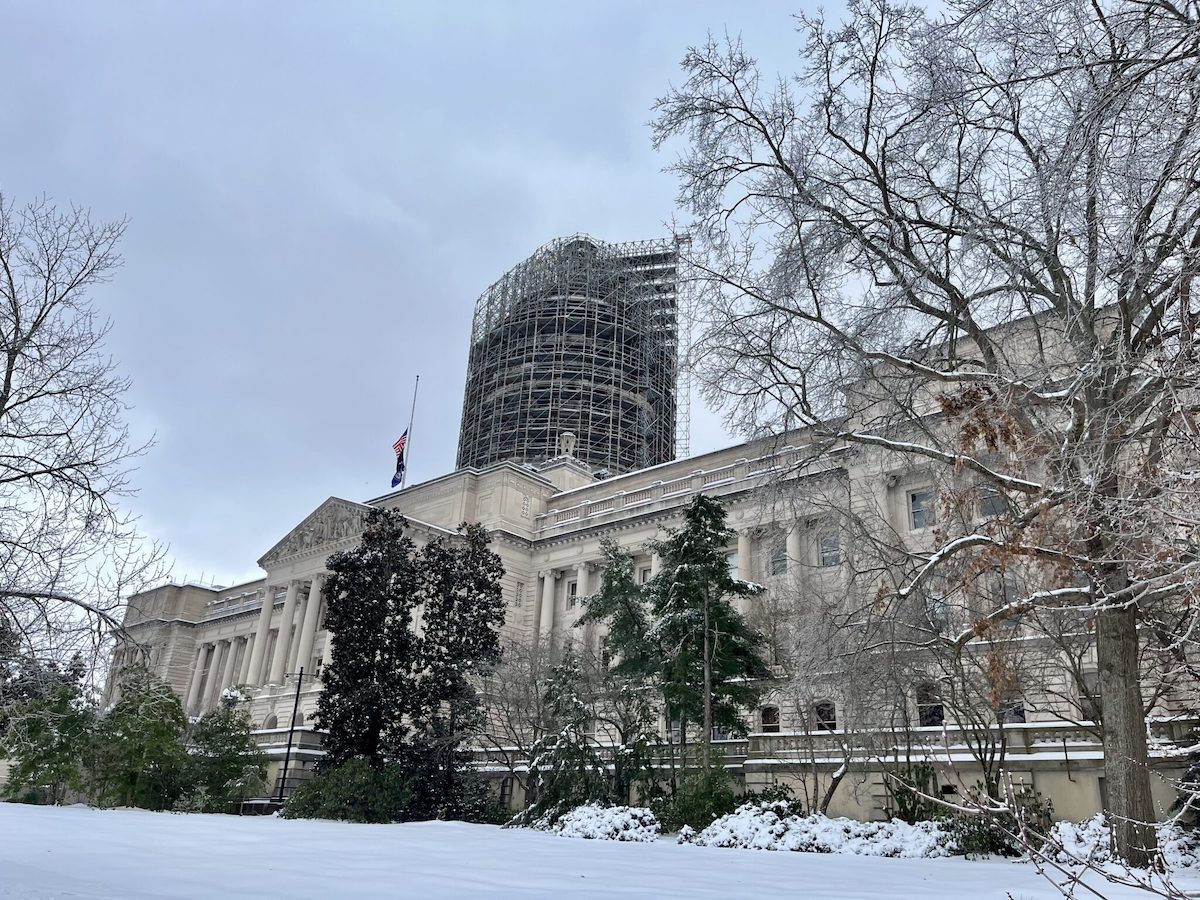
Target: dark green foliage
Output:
[(355, 791), (710, 660), (779, 796), (907, 784), (46, 727), (137, 757), (704, 794), (371, 591), (401, 696), (463, 610), (225, 765), (1187, 803), (565, 766), (994, 833)]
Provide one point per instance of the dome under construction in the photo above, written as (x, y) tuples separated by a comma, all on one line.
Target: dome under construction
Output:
[(581, 337)]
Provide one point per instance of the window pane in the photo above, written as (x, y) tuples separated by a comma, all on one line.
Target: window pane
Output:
[(830, 549), (770, 718), (921, 509)]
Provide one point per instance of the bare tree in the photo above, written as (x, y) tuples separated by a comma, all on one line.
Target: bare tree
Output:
[(967, 248), (68, 552)]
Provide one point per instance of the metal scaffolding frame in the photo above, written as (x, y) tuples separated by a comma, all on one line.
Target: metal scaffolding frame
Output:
[(580, 337)]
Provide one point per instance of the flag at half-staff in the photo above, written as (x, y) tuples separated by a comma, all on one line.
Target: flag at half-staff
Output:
[(399, 448)]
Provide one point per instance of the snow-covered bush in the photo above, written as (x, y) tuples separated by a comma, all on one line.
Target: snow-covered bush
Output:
[(1090, 841), (608, 823), (768, 826)]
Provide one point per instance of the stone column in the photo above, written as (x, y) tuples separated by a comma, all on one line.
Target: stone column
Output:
[(795, 552), (743, 551), (655, 564), (230, 663), (197, 677), (582, 573), (247, 659), (294, 645), (283, 642), (262, 632), (308, 630), (213, 691), (546, 603)]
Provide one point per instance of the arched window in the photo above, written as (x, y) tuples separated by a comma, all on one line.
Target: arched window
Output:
[(298, 719), (824, 715), (929, 705), (271, 721), (770, 719)]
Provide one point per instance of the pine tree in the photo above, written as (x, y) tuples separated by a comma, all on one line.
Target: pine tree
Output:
[(463, 610), (369, 684), (712, 660), (565, 767)]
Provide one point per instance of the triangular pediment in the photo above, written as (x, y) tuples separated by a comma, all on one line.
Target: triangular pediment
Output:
[(334, 525)]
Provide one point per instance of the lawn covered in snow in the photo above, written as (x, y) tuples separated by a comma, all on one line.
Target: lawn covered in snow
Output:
[(84, 853)]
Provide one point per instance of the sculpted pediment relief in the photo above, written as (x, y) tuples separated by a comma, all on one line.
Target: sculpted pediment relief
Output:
[(334, 525)]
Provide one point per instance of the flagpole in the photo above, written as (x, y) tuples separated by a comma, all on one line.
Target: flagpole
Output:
[(411, 416)]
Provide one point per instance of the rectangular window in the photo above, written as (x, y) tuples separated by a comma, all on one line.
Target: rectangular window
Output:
[(829, 549), (721, 733), (779, 558), (1089, 697), (731, 560), (572, 593), (921, 510), (506, 791), (644, 575), (1013, 711), (675, 731), (770, 719), (991, 502)]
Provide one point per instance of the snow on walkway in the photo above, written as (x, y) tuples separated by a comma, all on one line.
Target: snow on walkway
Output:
[(48, 852)]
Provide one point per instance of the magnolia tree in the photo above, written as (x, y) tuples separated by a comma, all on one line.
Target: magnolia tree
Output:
[(966, 247)]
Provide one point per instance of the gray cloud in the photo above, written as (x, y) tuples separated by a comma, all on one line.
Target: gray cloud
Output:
[(317, 193)]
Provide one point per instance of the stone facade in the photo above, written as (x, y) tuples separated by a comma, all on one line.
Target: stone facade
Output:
[(547, 524)]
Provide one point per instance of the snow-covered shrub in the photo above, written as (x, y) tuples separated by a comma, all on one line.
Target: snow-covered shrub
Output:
[(687, 835), (769, 827), (608, 823), (1090, 841)]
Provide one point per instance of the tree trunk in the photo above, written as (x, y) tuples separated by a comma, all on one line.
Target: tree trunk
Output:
[(1126, 757)]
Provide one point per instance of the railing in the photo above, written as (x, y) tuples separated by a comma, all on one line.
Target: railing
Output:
[(731, 473)]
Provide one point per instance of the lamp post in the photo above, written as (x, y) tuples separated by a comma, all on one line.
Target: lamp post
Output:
[(287, 757)]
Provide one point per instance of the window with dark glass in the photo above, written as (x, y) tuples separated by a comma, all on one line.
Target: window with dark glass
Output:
[(770, 718), (824, 715), (930, 712)]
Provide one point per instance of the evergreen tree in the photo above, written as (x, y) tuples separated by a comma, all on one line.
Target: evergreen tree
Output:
[(565, 767), (463, 610), (46, 726), (137, 758), (369, 684), (629, 677), (711, 659), (225, 765)]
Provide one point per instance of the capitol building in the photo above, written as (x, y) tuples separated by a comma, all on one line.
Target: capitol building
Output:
[(568, 438)]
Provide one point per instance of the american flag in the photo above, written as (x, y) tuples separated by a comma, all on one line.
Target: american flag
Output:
[(401, 443)]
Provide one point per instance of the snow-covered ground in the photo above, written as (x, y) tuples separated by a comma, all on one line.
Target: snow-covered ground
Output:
[(83, 853)]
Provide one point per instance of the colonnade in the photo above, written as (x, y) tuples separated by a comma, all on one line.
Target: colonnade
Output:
[(264, 656)]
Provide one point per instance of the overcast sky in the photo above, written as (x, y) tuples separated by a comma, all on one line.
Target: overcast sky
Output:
[(317, 194)]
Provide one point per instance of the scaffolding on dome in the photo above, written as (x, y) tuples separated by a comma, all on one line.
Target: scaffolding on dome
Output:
[(580, 337)]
